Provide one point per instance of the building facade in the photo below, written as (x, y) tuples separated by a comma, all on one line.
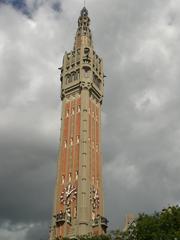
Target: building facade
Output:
[(78, 202)]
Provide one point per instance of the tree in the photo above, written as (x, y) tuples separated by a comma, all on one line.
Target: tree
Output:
[(164, 225), (158, 226)]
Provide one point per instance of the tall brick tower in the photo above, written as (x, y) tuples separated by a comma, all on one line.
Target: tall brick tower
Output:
[(78, 203)]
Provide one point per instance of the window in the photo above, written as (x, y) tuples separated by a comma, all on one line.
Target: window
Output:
[(86, 73), (93, 180), (75, 212), (96, 81), (67, 113), (86, 51), (86, 70), (73, 76), (78, 109), (71, 141), (78, 75), (69, 79), (77, 139), (65, 144), (77, 175), (73, 111), (63, 179), (70, 177)]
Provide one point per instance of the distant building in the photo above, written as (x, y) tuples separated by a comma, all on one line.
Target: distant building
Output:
[(129, 219)]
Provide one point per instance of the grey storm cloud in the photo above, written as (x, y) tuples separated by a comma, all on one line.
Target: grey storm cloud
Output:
[(139, 42)]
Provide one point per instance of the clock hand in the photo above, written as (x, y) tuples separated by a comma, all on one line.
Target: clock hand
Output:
[(68, 190), (71, 191)]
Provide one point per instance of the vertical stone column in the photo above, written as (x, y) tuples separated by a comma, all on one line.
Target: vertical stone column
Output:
[(84, 182)]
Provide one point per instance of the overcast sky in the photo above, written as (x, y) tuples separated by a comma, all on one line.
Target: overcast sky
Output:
[(139, 42)]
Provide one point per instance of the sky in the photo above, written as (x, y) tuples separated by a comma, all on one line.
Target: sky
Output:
[(139, 42)]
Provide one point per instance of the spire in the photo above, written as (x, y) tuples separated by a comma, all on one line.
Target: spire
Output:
[(84, 12), (83, 31)]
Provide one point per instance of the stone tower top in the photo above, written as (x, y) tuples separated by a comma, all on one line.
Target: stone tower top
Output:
[(84, 12), (83, 34)]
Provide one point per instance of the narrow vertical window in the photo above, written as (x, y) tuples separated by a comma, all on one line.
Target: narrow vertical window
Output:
[(93, 180), (65, 144), (71, 141), (70, 78), (76, 175), (78, 75), (97, 183), (86, 74), (75, 212), (67, 78), (73, 77), (77, 140), (63, 179), (73, 111), (70, 177), (67, 113), (78, 108)]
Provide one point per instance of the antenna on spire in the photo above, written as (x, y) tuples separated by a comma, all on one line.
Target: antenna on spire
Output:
[(84, 11)]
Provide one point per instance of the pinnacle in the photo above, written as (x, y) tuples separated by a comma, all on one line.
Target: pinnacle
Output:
[(84, 12)]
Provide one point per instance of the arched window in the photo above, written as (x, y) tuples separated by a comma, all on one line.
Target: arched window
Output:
[(86, 72)]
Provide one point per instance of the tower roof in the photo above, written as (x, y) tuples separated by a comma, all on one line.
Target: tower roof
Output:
[(84, 12), (83, 31)]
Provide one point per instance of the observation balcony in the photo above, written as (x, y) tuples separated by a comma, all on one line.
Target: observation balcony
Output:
[(95, 222), (60, 219), (104, 222)]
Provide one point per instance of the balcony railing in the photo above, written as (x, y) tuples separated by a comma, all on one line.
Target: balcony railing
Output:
[(60, 218), (104, 222), (95, 222)]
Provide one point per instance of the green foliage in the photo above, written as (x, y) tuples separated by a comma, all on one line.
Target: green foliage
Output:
[(100, 237), (159, 226), (164, 225), (89, 237)]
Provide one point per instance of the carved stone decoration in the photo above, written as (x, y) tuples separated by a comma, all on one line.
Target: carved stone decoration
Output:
[(85, 85), (94, 198), (68, 214)]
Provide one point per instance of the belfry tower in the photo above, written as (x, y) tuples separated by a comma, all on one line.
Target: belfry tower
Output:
[(78, 204)]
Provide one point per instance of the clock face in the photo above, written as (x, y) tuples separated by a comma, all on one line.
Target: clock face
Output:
[(68, 195), (94, 197)]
